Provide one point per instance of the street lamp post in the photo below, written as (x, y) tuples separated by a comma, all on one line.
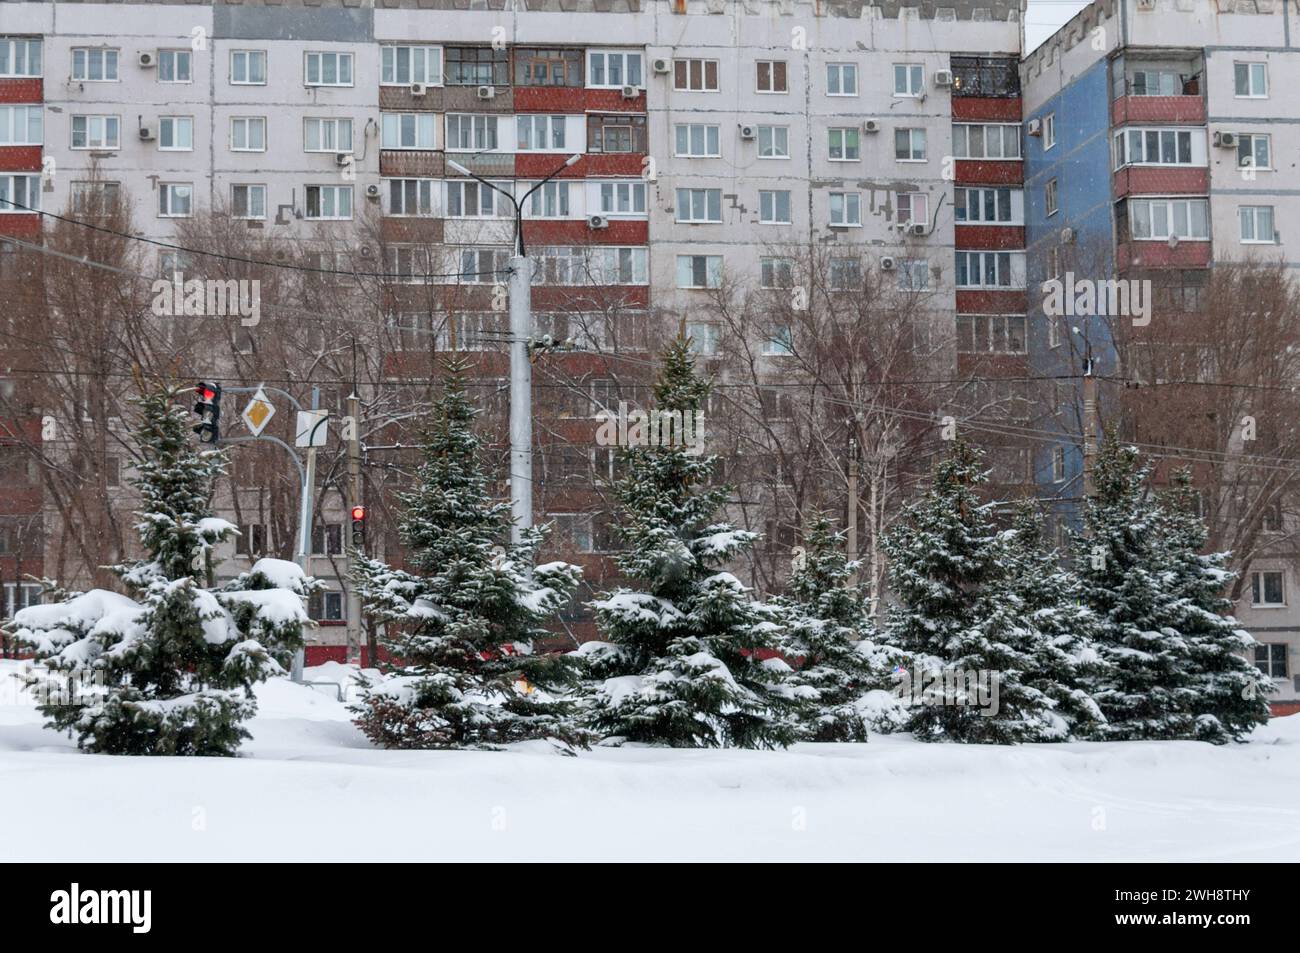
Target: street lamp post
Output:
[(521, 368)]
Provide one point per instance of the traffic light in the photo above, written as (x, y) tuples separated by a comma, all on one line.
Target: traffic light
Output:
[(358, 526), (208, 409)]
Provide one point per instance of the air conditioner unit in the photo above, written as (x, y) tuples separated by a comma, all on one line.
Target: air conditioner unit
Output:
[(147, 134), (748, 132), (372, 191), (943, 77), (597, 221), (487, 92), (365, 251), (662, 66), (1067, 236), (418, 89), (918, 228), (887, 263), (1146, 6), (871, 125), (1035, 127), (1225, 140), (342, 159), (147, 58), (631, 92)]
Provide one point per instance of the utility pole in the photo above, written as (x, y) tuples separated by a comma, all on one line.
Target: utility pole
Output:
[(304, 527), (354, 499), (852, 514), (1089, 423)]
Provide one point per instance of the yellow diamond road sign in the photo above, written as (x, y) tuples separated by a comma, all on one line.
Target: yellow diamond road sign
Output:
[(258, 413)]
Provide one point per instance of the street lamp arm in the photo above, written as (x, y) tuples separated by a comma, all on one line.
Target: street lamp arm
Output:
[(517, 203)]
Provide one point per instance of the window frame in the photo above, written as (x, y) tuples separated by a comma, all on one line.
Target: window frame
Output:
[(911, 141), (707, 205), (840, 67), (848, 200), (914, 70), (184, 122), (1258, 589), (249, 186), (12, 57), (104, 52), (626, 58), (704, 71), (165, 189), (1255, 215), (772, 72), (176, 55), (28, 110), (395, 118), (248, 60), (775, 210), (337, 190), (424, 48), (340, 56), (844, 133), (334, 122), (1250, 81), (247, 120), (706, 127), (712, 275)]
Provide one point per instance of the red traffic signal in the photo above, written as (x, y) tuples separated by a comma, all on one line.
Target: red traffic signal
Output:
[(208, 410), (358, 526), (358, 513)]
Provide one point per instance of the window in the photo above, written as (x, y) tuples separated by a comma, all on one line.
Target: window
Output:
[(913, 275), (248, 67), (327, 135), (989, 269), (406, 131), (175, 200), (780, 343), (549, 201), (699, 271), (20, 126), (845, 274), (1257, 224), (987, 76), (329, 201), (328, 69), (985, 141), (771, 77), (20, 56), (990, 334), (696, 141), (94, 65), (1251, 79), (95, 198), (404, 65), (539, 67), (1156, 82), (538, 133), (1254, 150), (325, 606), (327, 539), (471, 133), (1053, 329), (841, 79), (774, 207), (410, 196), (695, 75), (1049, 131), (843, 145), (909, 79), (21, 595), (622, 266), (623, 198), (1159, 147), (473, 199), (1267, 588), (612, 69), (776, 273), (982, 205), (912, 208), (846, 209), (703, 337), (1058, 464), (176, 133), (20, 192), (248, 134), (174, 66), (476, 66), (1270, 659), (909, 145), (248, 201), (1053, 263), (1161, 219), (699, 205), (774, 142), (251, 540), (616, 133), (1049, 197)]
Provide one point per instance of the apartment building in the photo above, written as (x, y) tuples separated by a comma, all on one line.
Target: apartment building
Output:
[(1159, 138), (682, 142)]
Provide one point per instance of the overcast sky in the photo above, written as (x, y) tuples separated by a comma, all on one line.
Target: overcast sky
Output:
[(1045, 17)]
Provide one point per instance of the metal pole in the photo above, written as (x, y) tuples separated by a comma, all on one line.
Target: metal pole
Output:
[(852, 513), (354, 492), (1089, 424), (521, 395), (304, 529)]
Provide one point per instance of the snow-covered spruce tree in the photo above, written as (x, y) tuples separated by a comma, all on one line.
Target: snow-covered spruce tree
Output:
[(460, 621), (828, 635), (177, 660), (682, 662), (1123, 564), (1042, 599), (1230, 697), (946, 575)]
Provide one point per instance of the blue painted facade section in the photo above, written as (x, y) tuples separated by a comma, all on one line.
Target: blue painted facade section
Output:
[(1080, 162)]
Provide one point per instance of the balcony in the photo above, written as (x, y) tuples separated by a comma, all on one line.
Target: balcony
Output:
[(1165, 88)]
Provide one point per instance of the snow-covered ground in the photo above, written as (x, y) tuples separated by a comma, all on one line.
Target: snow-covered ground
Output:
[(310, 787)]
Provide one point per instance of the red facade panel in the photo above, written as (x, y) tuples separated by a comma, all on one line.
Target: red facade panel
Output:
[(989, 172), (575, 99), (1148, 180), (992, 302), (20, 158), (619, 232), (563, 298), (990, 236), (537, 165), (22, 90), (1184, 109), (1161, 255), (21, 226), (980, 109)]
